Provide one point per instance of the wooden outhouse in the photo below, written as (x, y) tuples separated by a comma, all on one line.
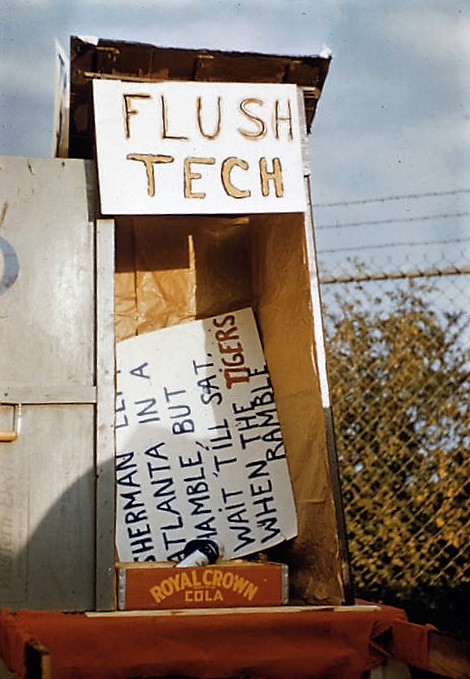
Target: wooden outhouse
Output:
[(76, 281)]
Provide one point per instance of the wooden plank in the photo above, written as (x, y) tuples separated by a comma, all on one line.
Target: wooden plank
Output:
[(105, 370), (40, 395), (47, 477), (320, 351), (37, 661), (47, 312), (321, 363), (47, 490), (449, 656), (5, 672), (391, 669), (285, 610), (55, 453)]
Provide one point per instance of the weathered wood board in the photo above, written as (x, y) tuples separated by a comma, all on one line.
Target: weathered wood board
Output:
[(48, 327)]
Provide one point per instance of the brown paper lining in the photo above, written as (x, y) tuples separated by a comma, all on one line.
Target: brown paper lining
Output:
[(175, 269)]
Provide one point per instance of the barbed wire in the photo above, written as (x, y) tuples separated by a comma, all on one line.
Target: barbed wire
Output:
[(389, 274), (383, 199), (357, 248), (394, 220)]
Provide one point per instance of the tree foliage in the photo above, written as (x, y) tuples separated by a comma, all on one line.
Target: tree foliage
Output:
[(400, 390)]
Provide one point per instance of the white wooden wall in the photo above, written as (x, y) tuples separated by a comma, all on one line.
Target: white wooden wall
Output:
[(56, 477)]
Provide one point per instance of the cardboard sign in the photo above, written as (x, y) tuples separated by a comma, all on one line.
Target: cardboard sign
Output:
[(199, 446), (198, 148)]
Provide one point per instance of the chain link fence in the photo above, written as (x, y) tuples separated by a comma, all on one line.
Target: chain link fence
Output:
[(398, 358)]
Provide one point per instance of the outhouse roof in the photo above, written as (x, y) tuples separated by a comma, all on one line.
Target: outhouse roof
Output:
[(122, 60)]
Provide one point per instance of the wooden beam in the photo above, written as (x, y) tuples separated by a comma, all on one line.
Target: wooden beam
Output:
[(37, 661), (449, 656)]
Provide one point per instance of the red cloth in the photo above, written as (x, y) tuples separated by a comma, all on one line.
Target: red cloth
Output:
[(411, 642), (299, 644)]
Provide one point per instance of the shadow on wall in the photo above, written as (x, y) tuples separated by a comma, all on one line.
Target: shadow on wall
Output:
[(49, 559), (47, 556)]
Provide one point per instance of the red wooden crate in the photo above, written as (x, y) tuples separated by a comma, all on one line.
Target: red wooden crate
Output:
[(150, 586)]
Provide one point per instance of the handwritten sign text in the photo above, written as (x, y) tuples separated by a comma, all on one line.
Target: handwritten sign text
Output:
[(173, 147)]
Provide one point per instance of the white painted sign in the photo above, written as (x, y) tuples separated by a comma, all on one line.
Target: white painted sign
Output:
[(198, 148), (199, 447)]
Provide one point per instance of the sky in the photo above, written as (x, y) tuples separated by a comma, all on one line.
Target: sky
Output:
[(391, 137)]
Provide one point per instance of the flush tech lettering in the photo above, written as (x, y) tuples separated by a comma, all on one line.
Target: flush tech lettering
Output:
[(173, 147), (257, 120)]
